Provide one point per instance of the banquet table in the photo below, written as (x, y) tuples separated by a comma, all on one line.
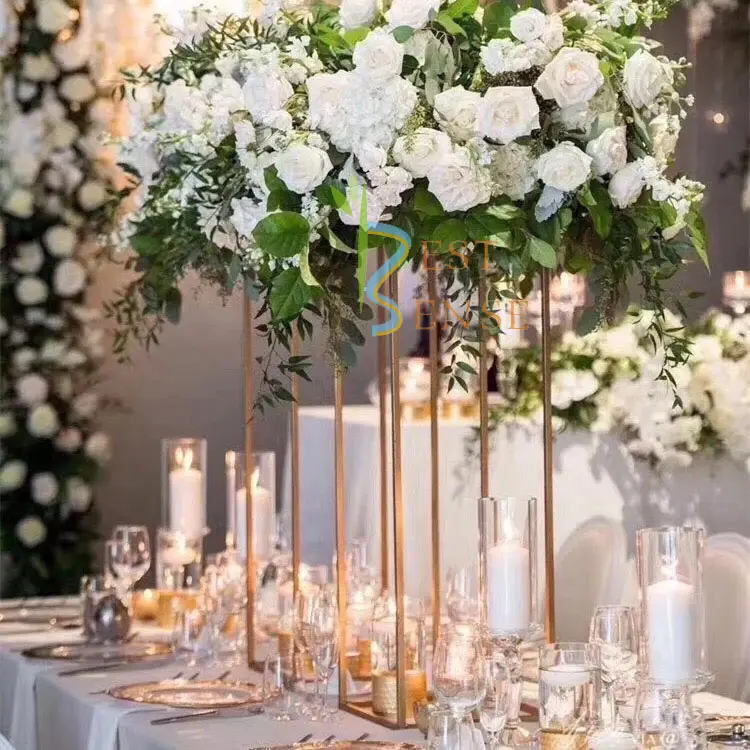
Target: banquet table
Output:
[(40, 710), (594, 475)]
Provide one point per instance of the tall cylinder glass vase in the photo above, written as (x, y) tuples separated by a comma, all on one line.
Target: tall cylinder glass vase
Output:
[(673, 648), (508, 592)]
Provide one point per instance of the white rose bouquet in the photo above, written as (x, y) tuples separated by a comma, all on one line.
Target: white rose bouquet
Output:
[(265, 150)]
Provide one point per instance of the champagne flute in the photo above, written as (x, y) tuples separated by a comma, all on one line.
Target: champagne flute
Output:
[(301, 632), (324, 646), (613, 631)]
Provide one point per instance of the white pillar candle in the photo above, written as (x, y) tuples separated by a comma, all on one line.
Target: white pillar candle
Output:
[(186, 513), (264, 519), (672, 630), (508, 587)]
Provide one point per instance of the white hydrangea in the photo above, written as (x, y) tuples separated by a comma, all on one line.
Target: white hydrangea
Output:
[(98, 447), (32, 389), (78, 495), (31, 532), (506, 56), (512, 171), (43, 421), (12, 475), (44, 488)]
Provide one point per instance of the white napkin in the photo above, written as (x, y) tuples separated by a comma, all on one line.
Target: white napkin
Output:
[(105, 723)]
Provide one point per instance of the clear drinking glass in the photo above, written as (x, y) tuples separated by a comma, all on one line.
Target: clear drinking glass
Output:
[(493, 711), (279, 681), (613, 630), (129, 554), (458, 672), (446, 731), (569, 688), (324, 645), (301, 634), (663, 716)]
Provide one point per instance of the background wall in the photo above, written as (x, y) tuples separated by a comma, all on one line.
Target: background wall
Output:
[(192, 383)]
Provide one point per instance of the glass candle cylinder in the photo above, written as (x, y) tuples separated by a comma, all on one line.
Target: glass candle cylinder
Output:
[(262, 489), (736, 291), (507, 566), (184, 486), (671, 598), (179, 560)]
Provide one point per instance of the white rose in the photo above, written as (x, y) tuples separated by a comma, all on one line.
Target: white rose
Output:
[(53, 16), (528, 25), (422, 150), (552, 36), (39, 68), (23, 359), (60, 241), (626, 185), (456, 112), (79, 495), (29, 259), (72, 54), (609, 151), (31, 291), (92, 195), (43, 422), (459, 183), (378, 57), (12, 475), (77, 88), (32, 389), (507, 112), (69, 278), (7, 424), (20, 203), (302, 168), (353, 13), (564, 168), (506, 56), (64, 134), (44, 488), (644, 78), (354, 196), (25, 168), (98, 447), (69, 440), (414, 13), (572, 77), (31, 531)]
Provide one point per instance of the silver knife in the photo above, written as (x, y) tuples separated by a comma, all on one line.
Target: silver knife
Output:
[(93, 668), (204, 714)]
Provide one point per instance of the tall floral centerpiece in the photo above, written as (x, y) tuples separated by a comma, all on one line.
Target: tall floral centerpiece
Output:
[(501, 141), (54, 195)]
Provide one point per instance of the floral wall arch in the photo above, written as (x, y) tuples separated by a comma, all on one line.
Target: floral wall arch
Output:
[(55, 197)]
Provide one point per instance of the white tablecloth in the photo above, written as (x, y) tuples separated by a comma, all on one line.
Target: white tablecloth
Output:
[(594, 476), (64, 715)]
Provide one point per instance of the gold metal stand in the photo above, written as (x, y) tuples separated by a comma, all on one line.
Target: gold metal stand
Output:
[(549, 504)]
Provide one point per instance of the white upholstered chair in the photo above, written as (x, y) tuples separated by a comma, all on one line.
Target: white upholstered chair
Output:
[(5, 743), (589, 570), (726, 586)]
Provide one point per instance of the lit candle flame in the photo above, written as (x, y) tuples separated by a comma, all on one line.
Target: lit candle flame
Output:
[(184, 458), (230, 459), (739, 279)]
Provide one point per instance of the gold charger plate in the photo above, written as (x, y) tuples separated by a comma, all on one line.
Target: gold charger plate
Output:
[(195, 694), (136, 652)]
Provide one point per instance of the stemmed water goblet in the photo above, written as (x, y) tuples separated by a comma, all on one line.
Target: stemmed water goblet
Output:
[(613, 630), (129, 555), (458, 670)]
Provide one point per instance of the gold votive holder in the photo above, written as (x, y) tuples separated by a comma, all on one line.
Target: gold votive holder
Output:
[(360, 661), (171, 603), (385, 693), (286, 648), (550, 739), (146, 604)]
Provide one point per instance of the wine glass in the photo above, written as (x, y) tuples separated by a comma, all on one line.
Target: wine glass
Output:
[(613, 630), (301, 634), (493, 711), (458, 670), (129, 554), (324, 645)]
